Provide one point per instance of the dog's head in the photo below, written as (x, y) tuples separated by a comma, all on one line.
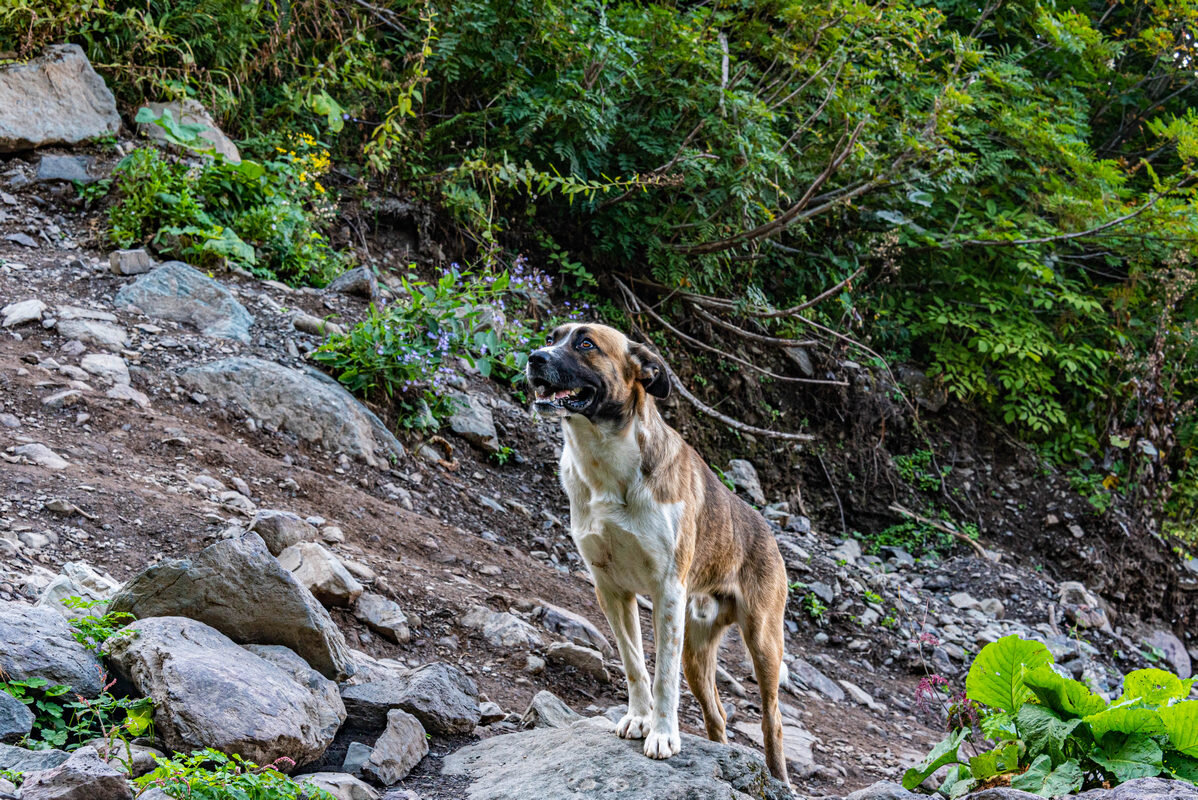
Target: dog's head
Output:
[(596, 372)]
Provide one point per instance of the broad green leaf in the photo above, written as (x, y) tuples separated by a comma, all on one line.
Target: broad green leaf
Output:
[(1124, 719), (1181, 723), (1182, 767), (1004, 758), (1129, 756), (1155, 686), (941, 755), (996, 680), (1045, 781), (957, 782), (1063, 695), (1044, 732)]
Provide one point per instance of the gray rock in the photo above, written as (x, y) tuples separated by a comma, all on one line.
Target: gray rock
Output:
[(94, 332), (583, 659), (307, 323), (23, 239), (848, 551), (109, 367), (306, 403), (501, 628), (490, 712), (963, 601), (744, 477), (321, 573), (574, 627), (18, 759), (190, 112), (209, 692), (398, 750), (547, 710), (472, 420), (1139, 789), (57, 98), (341, 785), (121, 391), (324, 691), (65, 168), (883, 790), (16, 720), (281, 529), (589, 762), (383, 616), (860, 696), (926, 392), (237, 587), (1175, 651), (37, 643), (992, 607), (441, 696), (180, 293), (21, 313), (808, 677), (130, 262), (359, 281), (41, 455), (83, 776), (356, 756), (823, 591)]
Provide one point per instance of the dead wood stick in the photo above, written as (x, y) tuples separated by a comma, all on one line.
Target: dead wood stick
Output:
[(906, 512)]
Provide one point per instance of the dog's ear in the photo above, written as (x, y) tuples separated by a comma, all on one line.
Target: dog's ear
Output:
[(651, 370)]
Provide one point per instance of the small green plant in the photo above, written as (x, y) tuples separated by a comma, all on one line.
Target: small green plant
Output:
[(502, 455), (15, 778), (212, 775), (60, 722), (405, 351), (814, 606), (92, 631), (1052, 736), (916, 470), (724, 479), (917, 538), (873, 597)]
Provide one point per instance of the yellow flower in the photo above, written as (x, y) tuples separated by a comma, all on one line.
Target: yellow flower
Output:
[(316, 185)]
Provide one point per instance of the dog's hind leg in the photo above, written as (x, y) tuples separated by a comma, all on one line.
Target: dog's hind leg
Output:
[(699, 652), (619, 607), (762, 633)]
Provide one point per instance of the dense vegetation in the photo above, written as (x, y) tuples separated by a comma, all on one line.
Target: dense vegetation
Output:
[(1002, 192), (1037, 731)]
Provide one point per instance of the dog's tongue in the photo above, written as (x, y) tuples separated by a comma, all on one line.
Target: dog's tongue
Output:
[(561, 394)]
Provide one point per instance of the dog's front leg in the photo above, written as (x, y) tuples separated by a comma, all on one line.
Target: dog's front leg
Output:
[(619, 607), (669, 622)]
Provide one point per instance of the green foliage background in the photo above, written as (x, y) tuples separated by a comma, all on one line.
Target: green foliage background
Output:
[(1014, 180)]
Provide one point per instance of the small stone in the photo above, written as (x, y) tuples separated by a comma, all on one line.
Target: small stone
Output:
[(21, 313), (860, 696), (584, 659), (109, 367), (22, 239), (963, 600), (321, 573), (472, 420), (281, 529), (490, 712), (547, 710), (744, 477), (42, 456), (339, 784), (122, 391), (502, 629), (65, 168), (359, 281), (356, 756), (130, 262), (383, 616), (63, 399), (992, 607), (16, 720), (400, 748)]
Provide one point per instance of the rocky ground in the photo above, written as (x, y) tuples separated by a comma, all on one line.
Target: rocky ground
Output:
[(167, 447)]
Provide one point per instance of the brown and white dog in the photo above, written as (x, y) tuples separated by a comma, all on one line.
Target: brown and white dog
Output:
[(649, 517)]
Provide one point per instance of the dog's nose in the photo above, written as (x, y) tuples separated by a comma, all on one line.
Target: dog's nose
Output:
[(538, 358)]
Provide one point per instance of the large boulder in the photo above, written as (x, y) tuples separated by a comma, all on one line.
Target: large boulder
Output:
[(239, 588), (323, 690), (180, 293), (440, 695), (209, 692), (83, 776), (190, 112), (57, 98), (16, 720), (37, 643), (306, 403), (588, 761)]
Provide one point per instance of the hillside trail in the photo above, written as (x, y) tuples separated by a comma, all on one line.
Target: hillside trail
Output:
[(161, 469)]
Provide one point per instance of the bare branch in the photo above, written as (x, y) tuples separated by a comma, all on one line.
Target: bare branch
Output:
[(753, 337), (896, 508)]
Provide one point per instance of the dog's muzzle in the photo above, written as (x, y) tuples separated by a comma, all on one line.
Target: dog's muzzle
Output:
[(554, 387)]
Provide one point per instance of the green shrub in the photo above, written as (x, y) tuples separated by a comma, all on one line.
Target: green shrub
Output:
[(1052, 735), (212, 775), (405, 351), (64, 721)]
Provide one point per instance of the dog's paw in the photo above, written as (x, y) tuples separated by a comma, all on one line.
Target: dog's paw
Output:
[(633, 726), (662, 745)]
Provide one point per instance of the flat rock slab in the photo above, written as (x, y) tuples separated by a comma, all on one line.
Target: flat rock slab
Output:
[(588, 761), (56, 98), (208, 692), (18, 759), (37, 643), (239, 588), (180, 293), (305, 403)]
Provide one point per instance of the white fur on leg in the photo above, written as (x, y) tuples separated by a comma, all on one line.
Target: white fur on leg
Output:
[(633, 726), (669, 623)]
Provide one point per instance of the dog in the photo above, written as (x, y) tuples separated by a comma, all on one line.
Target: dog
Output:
[(648, 516)]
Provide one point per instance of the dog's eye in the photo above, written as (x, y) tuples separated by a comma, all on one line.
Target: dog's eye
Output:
[(549, 341), (586, 344)]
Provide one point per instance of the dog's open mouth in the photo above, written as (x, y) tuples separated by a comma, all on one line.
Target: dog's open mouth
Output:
[(576, 399)]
